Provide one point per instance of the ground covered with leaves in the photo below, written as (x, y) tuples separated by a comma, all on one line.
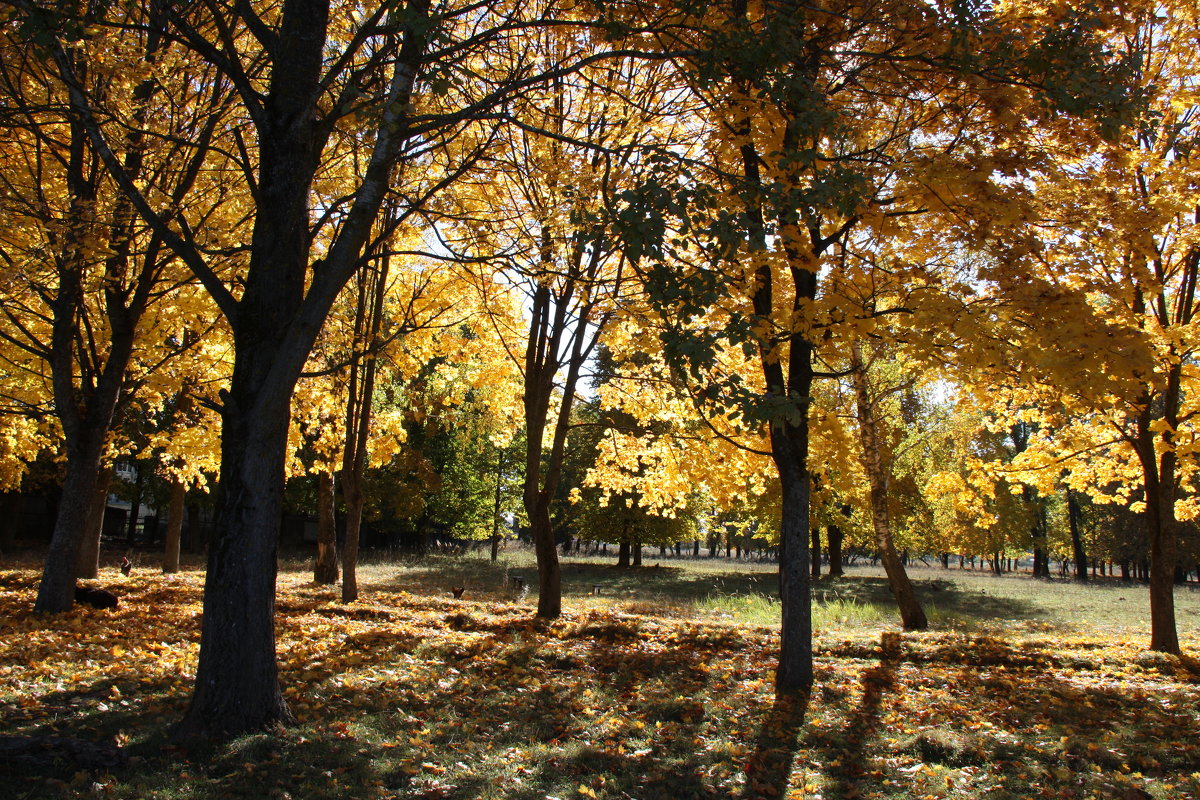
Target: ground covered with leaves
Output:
[(410, 693)]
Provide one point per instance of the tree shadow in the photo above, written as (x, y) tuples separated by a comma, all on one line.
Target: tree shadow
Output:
[(847, 756), (769, 767)]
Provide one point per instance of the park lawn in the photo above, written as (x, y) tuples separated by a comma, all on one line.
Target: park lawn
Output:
[(657, 687)]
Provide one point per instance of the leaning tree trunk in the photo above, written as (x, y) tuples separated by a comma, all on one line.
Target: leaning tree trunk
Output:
[(912, 616)]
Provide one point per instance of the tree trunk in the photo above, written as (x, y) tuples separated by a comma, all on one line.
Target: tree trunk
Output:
[(637, 554), (815, 556), (353, 499), (56, 592), (326, 570), (834, 535), (89, 550), (1159, 482), (497, 505), (623, 553), (175, 508), (912, 616), (1079, 555), (237, 685), (549, 570)]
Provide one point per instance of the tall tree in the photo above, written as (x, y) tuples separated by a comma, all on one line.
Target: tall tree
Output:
[(86, 309), (302, 71)]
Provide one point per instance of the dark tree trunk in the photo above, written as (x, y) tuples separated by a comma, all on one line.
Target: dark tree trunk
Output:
[(815, 556), (89, 551), (326, 570), (637, 554), (56, 592), (835, 535), (274, 327), (175, 509), (496, 506), (1160, 485), (623, 553), (237, 686), (1079, 555)]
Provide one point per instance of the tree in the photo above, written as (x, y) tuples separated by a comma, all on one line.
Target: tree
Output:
[(1101, 248), (305, 74), (540, 220), (85, 270)]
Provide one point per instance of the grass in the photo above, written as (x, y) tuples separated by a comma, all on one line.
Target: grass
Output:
[(657, 686)]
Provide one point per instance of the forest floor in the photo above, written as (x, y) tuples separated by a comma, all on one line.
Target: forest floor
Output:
[(655, 684)]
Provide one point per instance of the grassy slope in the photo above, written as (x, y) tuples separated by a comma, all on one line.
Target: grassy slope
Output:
[(658, 687)]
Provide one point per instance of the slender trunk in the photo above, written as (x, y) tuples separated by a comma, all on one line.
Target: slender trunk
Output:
[(815, 557), (497, 505), (89, 551), (1078, 553), (326, 570), (352, 497), (637, 554), (911, 614), (175, 509)]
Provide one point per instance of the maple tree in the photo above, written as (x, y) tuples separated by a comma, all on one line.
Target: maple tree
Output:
[(821, 121), (1098, 242), (299, 73), (88, 281), (540, 222)]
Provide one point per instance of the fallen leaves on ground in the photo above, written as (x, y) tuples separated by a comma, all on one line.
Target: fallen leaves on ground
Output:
[(414, 696)]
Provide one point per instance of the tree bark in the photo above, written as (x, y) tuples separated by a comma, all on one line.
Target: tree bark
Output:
[(1160, 486), (176, 505), (237, 684), (834, 535), (1079, 555), (623, 553), (326, 570), (89, 551), (912, 616)]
